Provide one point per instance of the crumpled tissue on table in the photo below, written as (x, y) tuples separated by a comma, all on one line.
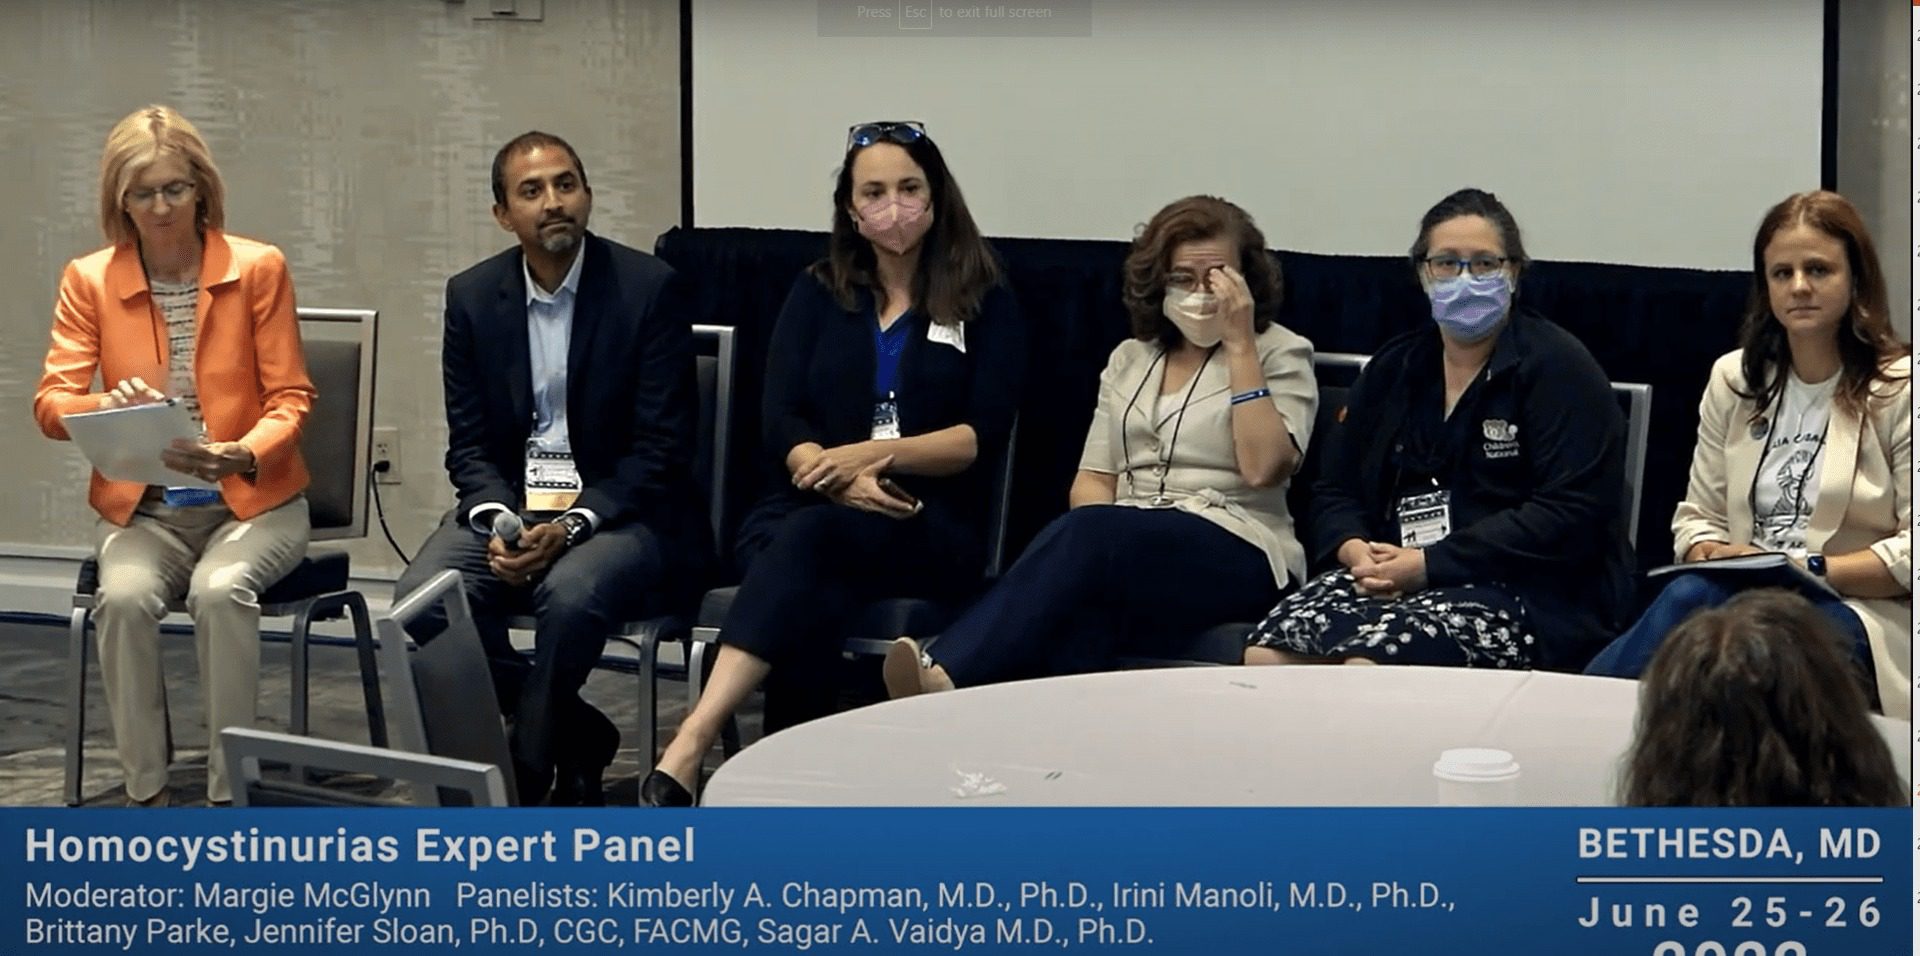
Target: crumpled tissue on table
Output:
[(977, 785)]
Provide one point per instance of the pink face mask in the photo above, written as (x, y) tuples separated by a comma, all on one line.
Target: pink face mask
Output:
[(895, 225)]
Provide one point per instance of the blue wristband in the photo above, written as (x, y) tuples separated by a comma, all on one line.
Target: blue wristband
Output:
[(1250, 396)]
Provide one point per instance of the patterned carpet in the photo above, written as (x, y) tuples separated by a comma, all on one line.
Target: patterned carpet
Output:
[(32, 715)]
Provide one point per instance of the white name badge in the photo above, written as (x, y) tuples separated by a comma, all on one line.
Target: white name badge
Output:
[(954, 335), (886, 421), (553, 482), (1425, 518)]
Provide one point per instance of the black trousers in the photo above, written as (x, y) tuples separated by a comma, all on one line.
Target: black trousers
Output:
[(1100, 578), (808, 573), (617, 575)]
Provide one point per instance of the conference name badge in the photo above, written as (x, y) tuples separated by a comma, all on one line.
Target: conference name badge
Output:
[(886, 420), (553, 481), (1425, 518)]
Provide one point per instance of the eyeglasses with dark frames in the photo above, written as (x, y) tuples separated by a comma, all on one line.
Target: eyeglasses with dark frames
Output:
[(1450, 267)]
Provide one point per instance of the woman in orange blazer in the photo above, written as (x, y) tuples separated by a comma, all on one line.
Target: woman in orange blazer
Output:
[(175, 308)]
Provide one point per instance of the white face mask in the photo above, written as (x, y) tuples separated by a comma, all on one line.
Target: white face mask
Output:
[(1195, 314)]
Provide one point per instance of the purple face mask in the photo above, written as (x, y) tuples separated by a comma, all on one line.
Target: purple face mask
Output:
[(895, 225), (1470, 309)]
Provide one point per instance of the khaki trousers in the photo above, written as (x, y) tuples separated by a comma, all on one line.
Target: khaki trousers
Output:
[(220, 565)]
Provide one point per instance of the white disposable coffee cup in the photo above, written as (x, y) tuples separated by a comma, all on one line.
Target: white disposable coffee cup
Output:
[(1477, 777)]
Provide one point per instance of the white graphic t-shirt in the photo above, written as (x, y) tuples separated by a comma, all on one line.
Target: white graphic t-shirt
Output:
[(1788, 484)]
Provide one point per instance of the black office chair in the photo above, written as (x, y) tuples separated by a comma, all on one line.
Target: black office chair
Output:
[(336, 443), (873, 630), (635, 645)]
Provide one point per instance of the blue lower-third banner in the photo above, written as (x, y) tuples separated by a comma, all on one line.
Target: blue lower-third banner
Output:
[(1465, 881)]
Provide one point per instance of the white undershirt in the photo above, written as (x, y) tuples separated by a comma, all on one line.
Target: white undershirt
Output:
[(1788, 484)]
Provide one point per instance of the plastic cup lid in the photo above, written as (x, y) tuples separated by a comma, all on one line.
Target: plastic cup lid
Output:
[(1476, 765)]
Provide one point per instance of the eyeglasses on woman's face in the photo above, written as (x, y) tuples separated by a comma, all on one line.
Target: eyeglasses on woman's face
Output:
[(176, 192), (1450, 266)]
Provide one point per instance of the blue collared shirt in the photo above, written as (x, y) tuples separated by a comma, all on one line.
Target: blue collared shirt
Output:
[(549, 336)]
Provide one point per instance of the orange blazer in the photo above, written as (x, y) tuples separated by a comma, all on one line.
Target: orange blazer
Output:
[(249, 369)]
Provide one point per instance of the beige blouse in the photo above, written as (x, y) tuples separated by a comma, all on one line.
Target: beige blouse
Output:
[(1202, 476)]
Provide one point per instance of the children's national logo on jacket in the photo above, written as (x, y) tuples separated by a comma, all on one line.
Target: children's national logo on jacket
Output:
[(1503, 438)]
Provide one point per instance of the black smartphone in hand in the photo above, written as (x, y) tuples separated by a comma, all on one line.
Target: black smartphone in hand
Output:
[(891, 488)]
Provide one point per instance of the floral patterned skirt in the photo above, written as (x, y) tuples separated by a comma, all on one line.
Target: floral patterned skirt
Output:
[(1472, 625)]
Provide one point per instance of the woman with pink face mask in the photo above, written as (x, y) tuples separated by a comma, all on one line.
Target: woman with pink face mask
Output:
[(892, 381), (1178, 517), (1470, 506)]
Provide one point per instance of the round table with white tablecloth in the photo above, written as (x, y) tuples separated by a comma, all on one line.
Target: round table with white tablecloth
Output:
[(1207, 736)]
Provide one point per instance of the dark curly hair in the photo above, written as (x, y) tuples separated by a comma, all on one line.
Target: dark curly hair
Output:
[(1144, 277), (1755, 703), (1867, 341)]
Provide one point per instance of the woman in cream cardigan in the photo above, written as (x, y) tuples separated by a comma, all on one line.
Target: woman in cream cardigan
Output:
[(1178, 515), (1804, 447)]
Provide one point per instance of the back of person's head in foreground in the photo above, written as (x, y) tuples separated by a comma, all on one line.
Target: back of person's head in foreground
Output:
[(1755, 703)]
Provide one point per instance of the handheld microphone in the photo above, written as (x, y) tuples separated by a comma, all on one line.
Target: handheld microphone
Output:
[(507, 527)]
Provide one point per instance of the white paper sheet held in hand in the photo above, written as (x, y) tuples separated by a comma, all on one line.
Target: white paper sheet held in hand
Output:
[(125, 443)]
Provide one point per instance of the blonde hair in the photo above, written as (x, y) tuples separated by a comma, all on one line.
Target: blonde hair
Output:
[(133, 145)]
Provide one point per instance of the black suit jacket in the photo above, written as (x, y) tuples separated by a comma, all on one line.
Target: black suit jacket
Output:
[(631, 409)]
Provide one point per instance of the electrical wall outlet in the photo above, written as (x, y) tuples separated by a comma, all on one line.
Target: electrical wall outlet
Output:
[(526, 10), (386, 452)]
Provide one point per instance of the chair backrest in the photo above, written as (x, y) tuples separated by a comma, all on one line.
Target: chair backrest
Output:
[(476, 784), (1335, 373), (338, 437), (1000, 504), (713, 364), (441, 697), (1636, 402)]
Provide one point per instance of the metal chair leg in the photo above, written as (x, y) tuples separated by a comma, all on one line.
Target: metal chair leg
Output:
[(76, 697), (297, 666), (364, 646)]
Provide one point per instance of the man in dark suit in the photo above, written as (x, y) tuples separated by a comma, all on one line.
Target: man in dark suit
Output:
[(570, 400)]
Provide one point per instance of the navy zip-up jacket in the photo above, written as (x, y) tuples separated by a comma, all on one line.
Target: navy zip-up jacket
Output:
[(1534, 457)]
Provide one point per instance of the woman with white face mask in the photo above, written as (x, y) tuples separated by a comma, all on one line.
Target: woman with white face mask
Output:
[(891, 385), (1471, 501), (1179, 515)]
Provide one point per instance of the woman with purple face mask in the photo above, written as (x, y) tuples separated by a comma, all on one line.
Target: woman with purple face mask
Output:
[(1178, 517), (891, 385), (1471, 502)]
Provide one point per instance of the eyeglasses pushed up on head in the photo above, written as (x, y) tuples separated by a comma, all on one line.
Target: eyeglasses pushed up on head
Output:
[(176, 193), (903, 132), (1449, 267)]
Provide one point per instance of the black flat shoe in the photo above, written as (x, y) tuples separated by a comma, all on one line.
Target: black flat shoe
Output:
[(661, 790)]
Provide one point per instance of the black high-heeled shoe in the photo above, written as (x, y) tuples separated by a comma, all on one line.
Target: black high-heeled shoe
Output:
[(661, 790)]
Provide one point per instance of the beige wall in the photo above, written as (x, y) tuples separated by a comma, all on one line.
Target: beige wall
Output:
[(1876, 134), (354, 134)]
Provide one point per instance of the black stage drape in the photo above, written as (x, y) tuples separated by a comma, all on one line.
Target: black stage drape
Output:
[(1659, 326)]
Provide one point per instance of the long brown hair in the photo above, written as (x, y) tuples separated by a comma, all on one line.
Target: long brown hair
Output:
[(1868, 345), (955, 268), (1755, 703), (1144, 277)]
